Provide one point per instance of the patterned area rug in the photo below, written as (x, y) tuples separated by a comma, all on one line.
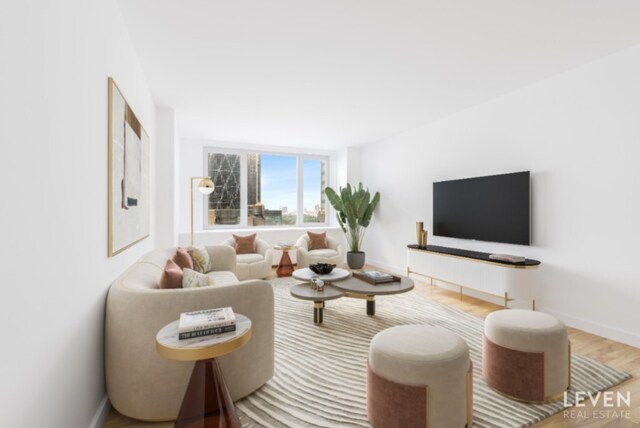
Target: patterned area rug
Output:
[(320, 375)]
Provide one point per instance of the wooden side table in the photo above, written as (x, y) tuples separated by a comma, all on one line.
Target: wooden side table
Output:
[(285, 267), (207, 402)]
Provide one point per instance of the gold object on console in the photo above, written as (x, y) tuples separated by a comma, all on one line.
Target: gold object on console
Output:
[(419, 230)]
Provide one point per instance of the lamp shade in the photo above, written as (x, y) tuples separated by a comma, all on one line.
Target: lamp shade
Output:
[(206, 186)]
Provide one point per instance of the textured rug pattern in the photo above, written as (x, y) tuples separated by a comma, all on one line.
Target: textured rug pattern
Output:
[(320, 374)]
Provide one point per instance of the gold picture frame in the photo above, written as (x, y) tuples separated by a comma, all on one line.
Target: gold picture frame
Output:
[(129, 175)]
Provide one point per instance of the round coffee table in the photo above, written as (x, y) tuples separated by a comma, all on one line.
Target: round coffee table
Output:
[(354, 287), (207, 401), (306, 291)]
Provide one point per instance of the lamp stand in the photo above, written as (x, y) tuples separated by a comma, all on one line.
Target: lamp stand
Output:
[(191, 180)]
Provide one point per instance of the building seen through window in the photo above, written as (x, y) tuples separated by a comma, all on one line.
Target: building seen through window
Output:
[(272, 189), (314, 183), (224, 202)]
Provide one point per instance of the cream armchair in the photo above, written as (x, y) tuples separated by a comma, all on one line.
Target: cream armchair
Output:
[(334, 254), (256, 265), (143, 385)]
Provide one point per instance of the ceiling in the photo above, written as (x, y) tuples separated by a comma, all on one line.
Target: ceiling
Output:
[(333, 73)]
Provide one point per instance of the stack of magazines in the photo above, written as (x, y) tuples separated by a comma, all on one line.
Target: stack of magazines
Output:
[(206, 323), (376, 277)]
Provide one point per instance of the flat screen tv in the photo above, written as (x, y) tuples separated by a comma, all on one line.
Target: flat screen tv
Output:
[(494, 208)]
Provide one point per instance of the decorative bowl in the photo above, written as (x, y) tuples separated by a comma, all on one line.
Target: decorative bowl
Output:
[(322, 268)]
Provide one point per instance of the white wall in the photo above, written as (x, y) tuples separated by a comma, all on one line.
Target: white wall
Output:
[(354, 169), (342, 162), (56, 57), (579, 135), (348, 166), (167, 185)]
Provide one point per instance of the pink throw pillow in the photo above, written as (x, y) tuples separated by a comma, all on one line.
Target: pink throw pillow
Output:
[(245, 244), (171, 276), (183, 259), (317, 241)]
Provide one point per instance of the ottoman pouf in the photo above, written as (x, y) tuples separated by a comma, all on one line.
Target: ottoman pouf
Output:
[(419, 376), (526, 355)]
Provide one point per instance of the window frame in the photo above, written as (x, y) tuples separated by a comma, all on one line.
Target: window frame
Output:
[(244, 189), (301, 160)]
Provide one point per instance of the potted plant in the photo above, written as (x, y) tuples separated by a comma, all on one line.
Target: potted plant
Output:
[(354, 209)]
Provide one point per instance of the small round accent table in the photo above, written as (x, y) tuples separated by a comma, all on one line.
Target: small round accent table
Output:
[(285, 267), (306, 292), (207, 402)]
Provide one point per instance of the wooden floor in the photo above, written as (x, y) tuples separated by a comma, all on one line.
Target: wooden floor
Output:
[(606, 351)]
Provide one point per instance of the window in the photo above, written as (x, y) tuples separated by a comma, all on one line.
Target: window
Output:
[(314, 183), (273, 189), (224, 202)]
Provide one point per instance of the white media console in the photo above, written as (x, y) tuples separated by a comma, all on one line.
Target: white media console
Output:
[(475, 271)]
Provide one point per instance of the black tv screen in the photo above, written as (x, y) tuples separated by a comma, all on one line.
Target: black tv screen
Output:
[(494, 208)]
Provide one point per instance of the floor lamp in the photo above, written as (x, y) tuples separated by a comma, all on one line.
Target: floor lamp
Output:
[(205, 186)]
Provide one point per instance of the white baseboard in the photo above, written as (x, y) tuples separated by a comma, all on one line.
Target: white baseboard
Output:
[(388, 268), (627, 337), (624, 336), (101, 413)]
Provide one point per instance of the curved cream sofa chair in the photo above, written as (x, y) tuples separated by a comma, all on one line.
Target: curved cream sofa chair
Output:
[(333, 254), (143, 385), (256, 265)]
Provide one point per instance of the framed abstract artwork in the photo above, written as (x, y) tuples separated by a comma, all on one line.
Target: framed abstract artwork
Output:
[(129, 180)]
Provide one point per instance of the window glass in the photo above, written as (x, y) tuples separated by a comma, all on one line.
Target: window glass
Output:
[(224, 202), (272, 189), (314, 183)]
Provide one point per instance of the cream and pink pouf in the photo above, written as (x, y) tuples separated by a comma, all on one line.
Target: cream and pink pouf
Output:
[(526, 355), (419, 375)]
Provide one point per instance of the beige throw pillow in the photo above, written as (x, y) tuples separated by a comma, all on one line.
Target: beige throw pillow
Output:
[(200, 257), (193, 279)]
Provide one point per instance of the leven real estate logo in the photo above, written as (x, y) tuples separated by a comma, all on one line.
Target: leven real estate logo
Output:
[(606, 405)]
